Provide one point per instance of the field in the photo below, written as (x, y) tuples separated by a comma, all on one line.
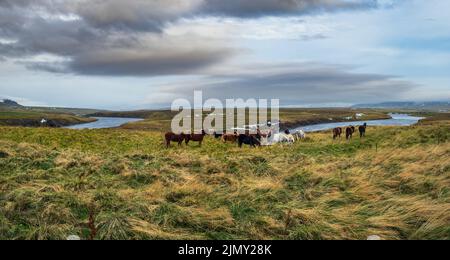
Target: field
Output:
[(120, 184), (32, 117)]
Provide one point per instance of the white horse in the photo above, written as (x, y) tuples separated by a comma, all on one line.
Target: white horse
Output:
[(277, 139), (299, 135)]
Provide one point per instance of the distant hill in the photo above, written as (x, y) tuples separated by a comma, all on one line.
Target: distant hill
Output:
[(434, 105), (9, 103)]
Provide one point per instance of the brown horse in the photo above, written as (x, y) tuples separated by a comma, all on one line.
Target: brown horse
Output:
[(337, 132), (196, 138), (349, 132), (232, 138), (172, 137)]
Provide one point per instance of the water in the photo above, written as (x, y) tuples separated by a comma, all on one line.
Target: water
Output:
[(397, 120), (105, 122)]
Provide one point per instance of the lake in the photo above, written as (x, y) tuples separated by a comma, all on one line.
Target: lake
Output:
[(397, 120), (105, 122)]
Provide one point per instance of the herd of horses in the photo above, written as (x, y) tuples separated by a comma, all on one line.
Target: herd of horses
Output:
[(258, 138), (349, 131), (253, 140)]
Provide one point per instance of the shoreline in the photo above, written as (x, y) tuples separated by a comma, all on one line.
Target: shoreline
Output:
[(51, 123)]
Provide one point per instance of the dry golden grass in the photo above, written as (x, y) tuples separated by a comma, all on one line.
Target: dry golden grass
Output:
[(116, 184)]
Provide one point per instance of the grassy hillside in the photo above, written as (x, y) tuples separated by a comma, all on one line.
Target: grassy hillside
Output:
[(436, 118), (62, 110), (32, 118), (117, 184)]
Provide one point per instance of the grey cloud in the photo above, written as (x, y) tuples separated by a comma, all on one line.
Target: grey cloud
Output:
[(108, 37), (125, 62), (296, 84), (12, 3), (259, 8), (144, 15), (90, 51), (153, 15), (138, 15), (104, 37), (137, 63)]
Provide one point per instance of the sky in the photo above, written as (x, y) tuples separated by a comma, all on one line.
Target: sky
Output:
[(144, 54)]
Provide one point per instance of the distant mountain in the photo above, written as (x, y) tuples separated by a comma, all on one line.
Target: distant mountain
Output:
[(9, 103), (433, 105)]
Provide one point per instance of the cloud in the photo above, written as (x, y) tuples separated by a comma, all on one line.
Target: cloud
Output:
[(138, 62), (293, 84), (137, 15), (110, 37), (154, 14), (246, 9)]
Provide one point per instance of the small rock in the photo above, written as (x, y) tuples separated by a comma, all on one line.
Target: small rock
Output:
[(73, 238), (373, 238)]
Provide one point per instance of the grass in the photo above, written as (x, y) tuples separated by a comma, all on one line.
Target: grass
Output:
[(32, 117), (436, 118), (119, 184)]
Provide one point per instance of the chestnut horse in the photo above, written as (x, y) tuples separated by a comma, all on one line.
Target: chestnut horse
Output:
[(172, 137), (196, 138), (337, 132), (232, 138)]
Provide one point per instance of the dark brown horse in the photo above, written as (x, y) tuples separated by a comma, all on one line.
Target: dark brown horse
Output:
[(337, 132), (196, 138), (217, 135), (349, 132), (172, 137), (248, 140), (362, 130)]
